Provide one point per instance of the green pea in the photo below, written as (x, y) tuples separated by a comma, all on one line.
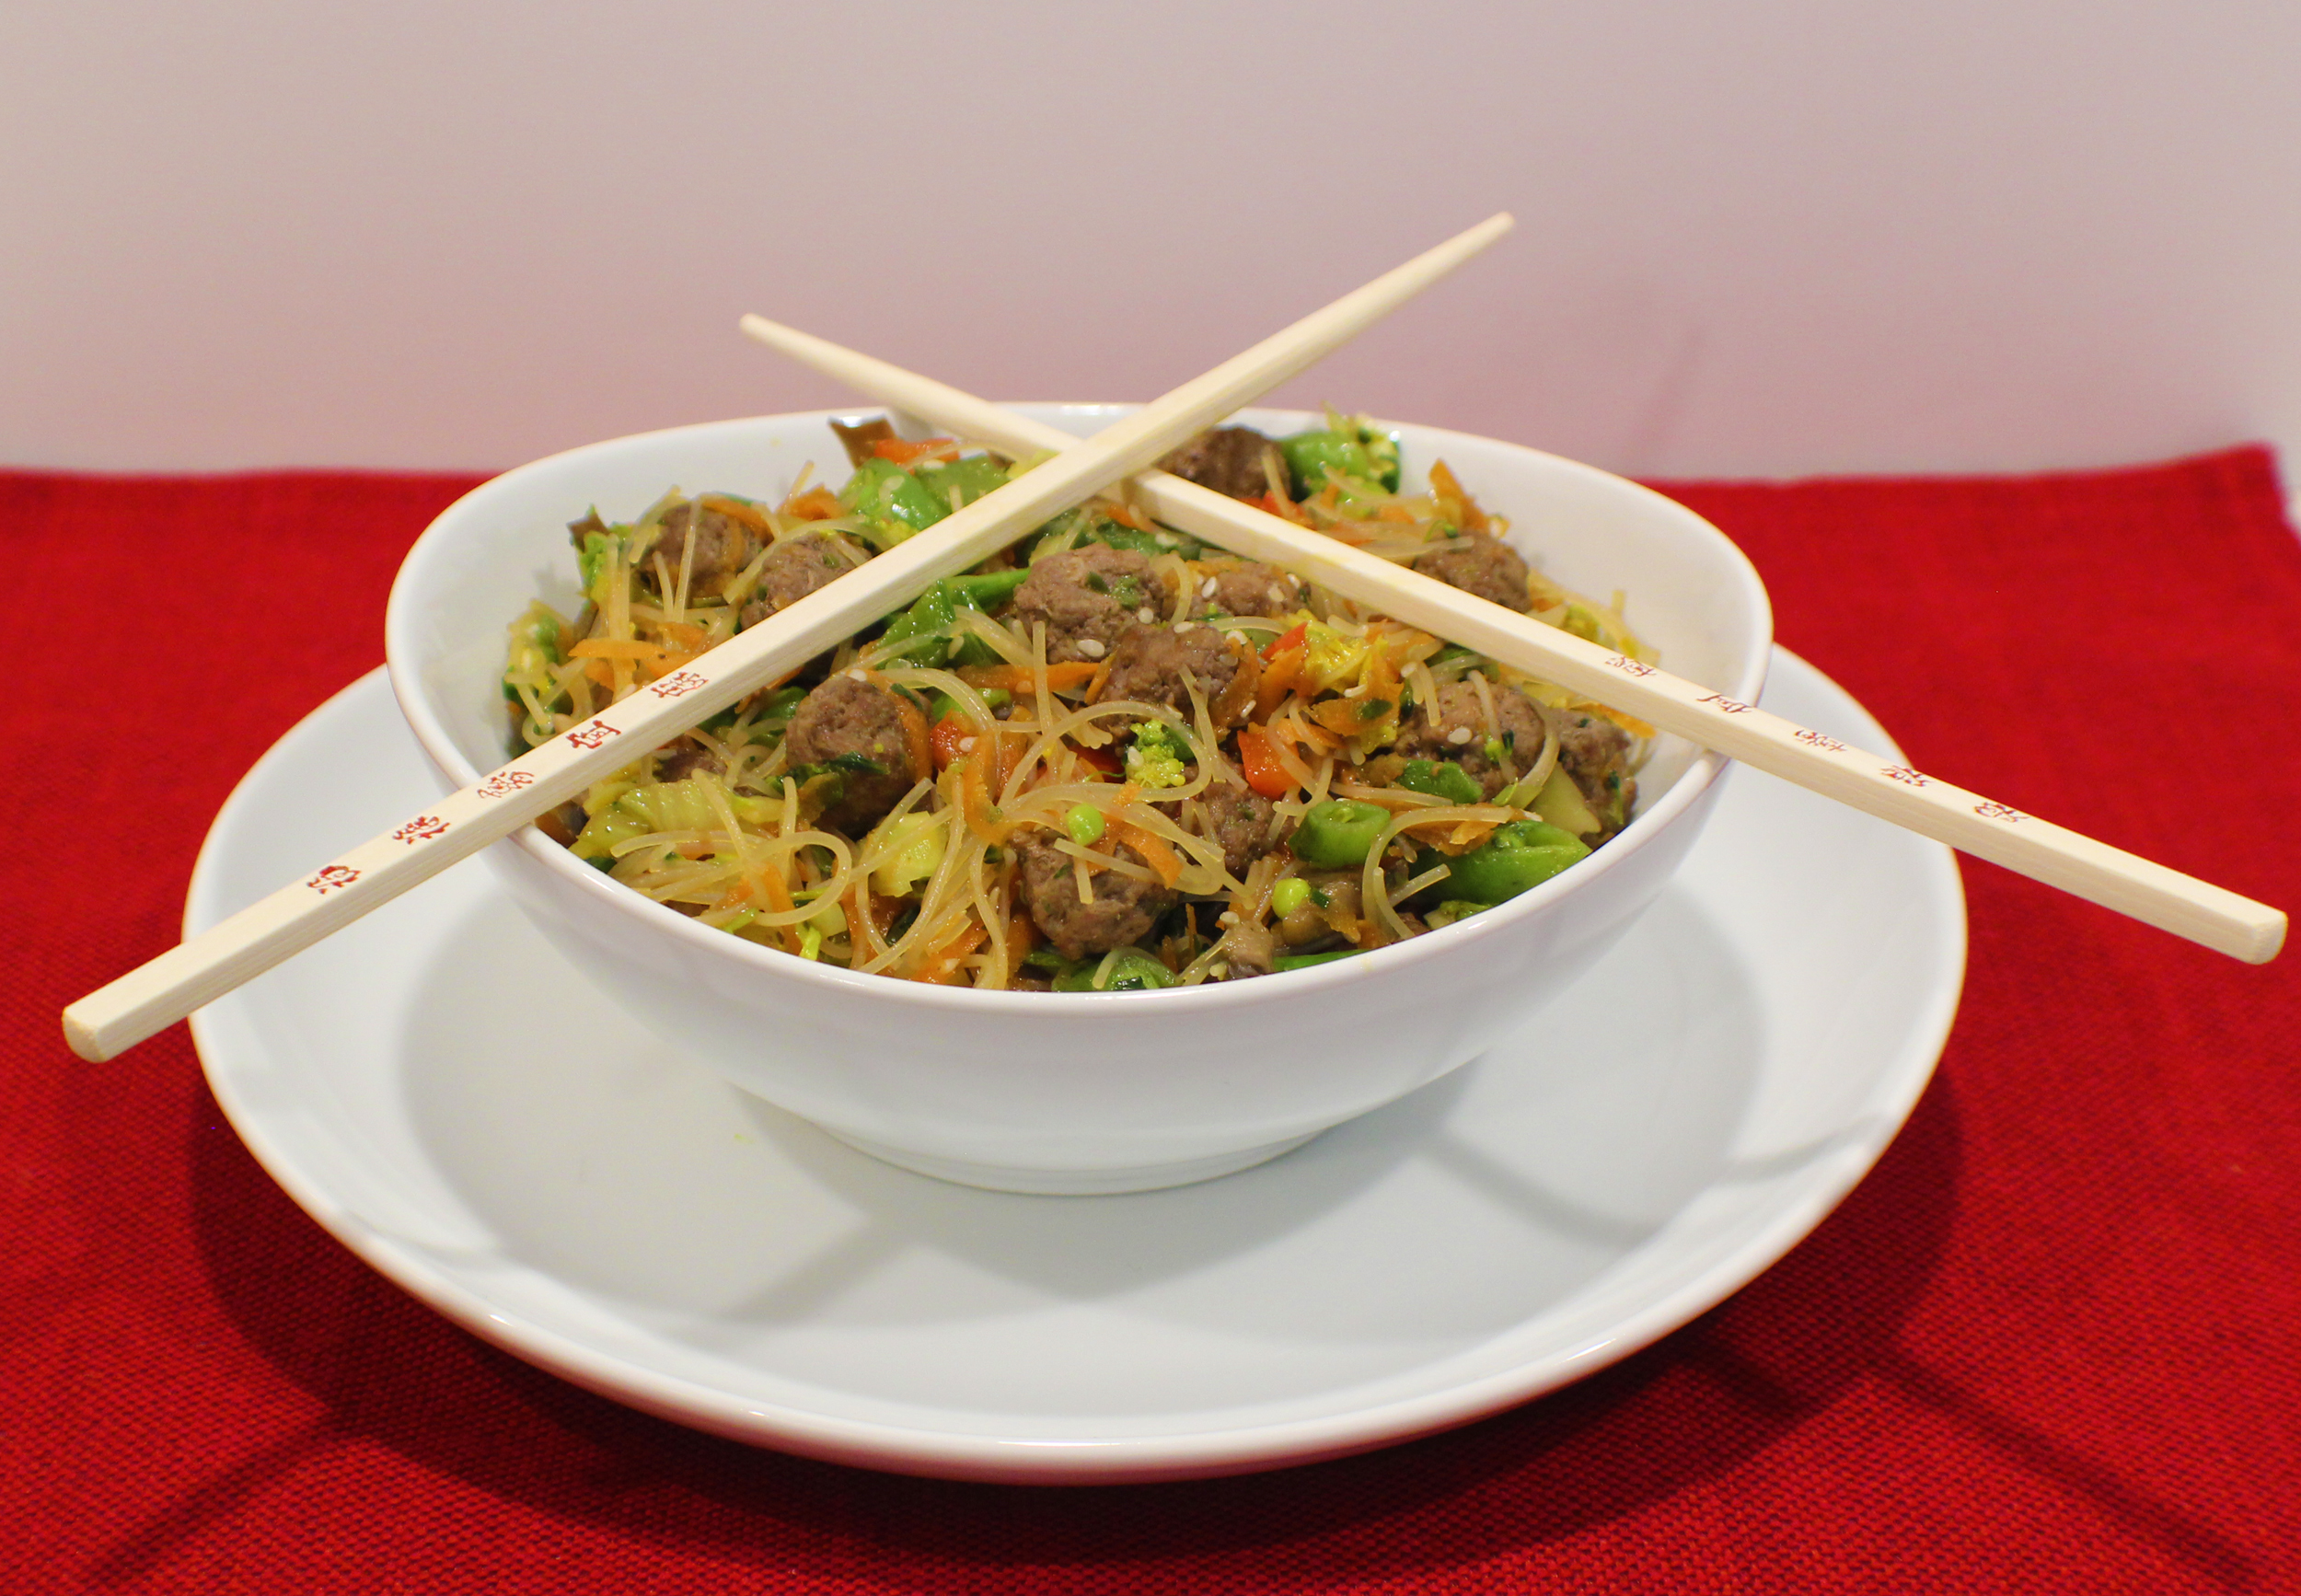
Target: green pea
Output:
[(1337, 832), (1085, 825), (1519, 856), (1443, 780), (1288, 895)]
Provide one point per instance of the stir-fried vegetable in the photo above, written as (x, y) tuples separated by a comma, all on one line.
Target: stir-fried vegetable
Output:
[(1111, 761)]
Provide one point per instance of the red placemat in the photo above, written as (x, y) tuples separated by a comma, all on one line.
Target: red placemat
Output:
[(2049, 1345)]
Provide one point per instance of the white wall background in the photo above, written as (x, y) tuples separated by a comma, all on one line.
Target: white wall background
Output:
[(1766, 237)]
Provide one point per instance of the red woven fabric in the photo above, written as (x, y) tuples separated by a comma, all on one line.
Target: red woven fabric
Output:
[(2050, 1345)]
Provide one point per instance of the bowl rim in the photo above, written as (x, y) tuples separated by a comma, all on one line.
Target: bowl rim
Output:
[(399, 623)]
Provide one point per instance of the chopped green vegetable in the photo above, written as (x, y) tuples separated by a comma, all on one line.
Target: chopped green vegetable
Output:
[(1442, 780), (972, 475), (918, 841), (894, 503), (1517, 856), (1350, 448), (1305, 961), (1159, 757), (1337, 832), (1127, 969), (1560, 802)]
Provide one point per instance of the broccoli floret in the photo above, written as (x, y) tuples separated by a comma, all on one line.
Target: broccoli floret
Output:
[(1158, 756)]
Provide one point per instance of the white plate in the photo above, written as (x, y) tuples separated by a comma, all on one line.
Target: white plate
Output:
[(433, 1088)]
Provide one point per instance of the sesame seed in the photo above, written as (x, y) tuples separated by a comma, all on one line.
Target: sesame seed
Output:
[(1459, 736), (1354, 692), (1091, 648), (1185, 625), (1235, 636), (966, 745), (1228, 917), (1205, 588), (1147, 615), (858, 675), (1278, 595)]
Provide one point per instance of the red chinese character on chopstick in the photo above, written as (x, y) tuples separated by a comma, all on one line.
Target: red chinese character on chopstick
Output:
[(1903, 774), (335, 875), (678, 684), (504, 783), (420, 828), (1821, 740), (591, 737), (1731, 705), (1993, 810), (1623, 661)]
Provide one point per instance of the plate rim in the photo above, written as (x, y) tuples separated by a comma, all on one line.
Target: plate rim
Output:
[(1177, 1455)]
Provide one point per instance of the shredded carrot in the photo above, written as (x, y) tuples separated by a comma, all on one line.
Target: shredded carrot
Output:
[(981, 814), (915, 741), (1454, 503), (903, 451), (598, 672), (614, 648), (814, 504), (939, 966), (1164, 862)]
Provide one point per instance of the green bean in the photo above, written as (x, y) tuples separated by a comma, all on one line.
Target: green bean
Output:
[(1444, 780)]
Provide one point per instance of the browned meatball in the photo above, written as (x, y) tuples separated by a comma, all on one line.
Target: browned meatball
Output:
[(1251, 588), (1238, 822), (1484, 566), (684, 759), (1122, 909), (1228, 459), (1153, 662), (1454, 728), (723, 544), (796, 567), (857, 730), (1596, 753), (1088, 598)]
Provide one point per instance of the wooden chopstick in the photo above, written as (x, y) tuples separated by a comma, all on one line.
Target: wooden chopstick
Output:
[(123, 1012), (1924, 803)]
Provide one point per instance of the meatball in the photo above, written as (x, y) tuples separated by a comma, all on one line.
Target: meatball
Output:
[(1122, 909), (857, 730), (1153, 662), (796, 567), (1088, 598), (1483, 566), (1596, 753), (1228, 459), (723, 544), (1251, 588), (1238, 822), (684, 759), (1454, 728)]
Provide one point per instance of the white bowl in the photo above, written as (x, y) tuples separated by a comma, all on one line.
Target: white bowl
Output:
[(1088, 1091)]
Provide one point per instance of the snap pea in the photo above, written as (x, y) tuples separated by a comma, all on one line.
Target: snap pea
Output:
[(1337, 832), (1305, 961), (1131, 970), (973, 476), (1517, 856), (892, 500), (1356, 454), (1443, 780)]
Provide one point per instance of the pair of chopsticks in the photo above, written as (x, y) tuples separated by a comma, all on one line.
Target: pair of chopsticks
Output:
[(118, 1015)]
